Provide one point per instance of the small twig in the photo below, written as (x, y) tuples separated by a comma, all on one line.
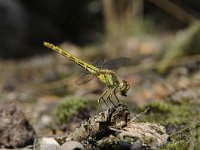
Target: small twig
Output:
[(114, 129), (187, 127), (137, 116)]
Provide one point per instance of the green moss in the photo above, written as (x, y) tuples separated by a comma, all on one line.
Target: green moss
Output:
[(197, 138), (170, 112), (175, 145), (159, 107), (69, 108), (176, 116), (185, 140)]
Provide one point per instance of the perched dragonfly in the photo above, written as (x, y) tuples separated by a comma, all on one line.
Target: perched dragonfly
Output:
[(103, 71)]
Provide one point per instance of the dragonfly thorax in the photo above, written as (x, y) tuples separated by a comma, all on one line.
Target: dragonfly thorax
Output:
[(123, 88)]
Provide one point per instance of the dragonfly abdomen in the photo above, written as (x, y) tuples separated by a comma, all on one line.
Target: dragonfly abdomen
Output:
[(88, 67)]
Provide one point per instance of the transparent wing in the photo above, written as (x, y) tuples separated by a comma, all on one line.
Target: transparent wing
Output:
[(99, 62), (116, 63), (85, 78)]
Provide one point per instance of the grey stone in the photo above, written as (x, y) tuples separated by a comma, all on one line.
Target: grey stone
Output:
[(72, 145)]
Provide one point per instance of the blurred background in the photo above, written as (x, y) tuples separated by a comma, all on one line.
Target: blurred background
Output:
[(25, 24), (160, 37)]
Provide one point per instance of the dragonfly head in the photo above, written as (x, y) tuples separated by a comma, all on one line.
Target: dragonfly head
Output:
[(123, 88)]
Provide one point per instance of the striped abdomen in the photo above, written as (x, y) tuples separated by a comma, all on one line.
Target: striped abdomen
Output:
[(88, 67)]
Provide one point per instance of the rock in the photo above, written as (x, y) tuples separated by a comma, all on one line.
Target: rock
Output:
[(46, 143), (136, 136), (150, 134), (72, 145), (15, 130), (114, 129), (136, 145), (49, 143)]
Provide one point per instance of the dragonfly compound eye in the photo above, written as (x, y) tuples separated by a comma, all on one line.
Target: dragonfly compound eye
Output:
[(123, 88)]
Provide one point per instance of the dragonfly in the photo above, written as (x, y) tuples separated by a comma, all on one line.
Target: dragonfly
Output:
[(103, 71)]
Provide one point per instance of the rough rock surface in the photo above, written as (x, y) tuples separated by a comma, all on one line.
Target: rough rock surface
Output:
[(46, 143), (114, 129), (72, 145), (15, 130)]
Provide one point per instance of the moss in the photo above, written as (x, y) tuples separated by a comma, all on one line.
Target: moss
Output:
[(185, 140), (175, 145), (197, 137), (159, 107), (176, 116), (170, 112), (69, 108)]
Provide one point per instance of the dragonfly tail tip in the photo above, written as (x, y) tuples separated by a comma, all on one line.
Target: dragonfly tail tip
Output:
[(45, 43)]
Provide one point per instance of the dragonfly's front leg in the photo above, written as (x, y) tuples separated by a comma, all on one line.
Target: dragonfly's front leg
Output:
[(110, 96), (116, 96), (101, 98)]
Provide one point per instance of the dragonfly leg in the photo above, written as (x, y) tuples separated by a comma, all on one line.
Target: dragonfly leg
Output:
[(106, 103), (110, 96), (101, 98), (116, 96)]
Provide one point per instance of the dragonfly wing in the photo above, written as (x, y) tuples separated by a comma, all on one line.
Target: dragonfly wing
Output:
[(116, 63), (99, 62), (85, 78)]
